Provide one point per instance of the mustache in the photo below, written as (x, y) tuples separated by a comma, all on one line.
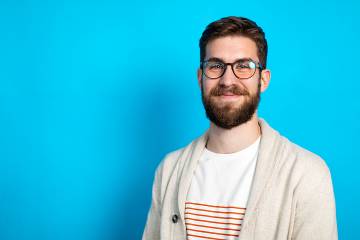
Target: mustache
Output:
[(221, 90)]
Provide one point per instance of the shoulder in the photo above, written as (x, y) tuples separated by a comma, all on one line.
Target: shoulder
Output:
[(306, 159), (308, 168), (176, 159), (170, 159), (290, 156)]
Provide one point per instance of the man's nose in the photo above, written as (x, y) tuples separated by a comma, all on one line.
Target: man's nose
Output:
[(229, 77)]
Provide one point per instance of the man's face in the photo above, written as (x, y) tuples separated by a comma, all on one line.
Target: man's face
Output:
[(230, 101)]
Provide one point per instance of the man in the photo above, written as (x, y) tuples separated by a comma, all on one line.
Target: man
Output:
[(241, 179)]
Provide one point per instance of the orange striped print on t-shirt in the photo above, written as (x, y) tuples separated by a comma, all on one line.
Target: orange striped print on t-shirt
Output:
[(205, 221)]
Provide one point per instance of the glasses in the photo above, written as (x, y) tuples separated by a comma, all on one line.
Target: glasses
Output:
[(242, 69)]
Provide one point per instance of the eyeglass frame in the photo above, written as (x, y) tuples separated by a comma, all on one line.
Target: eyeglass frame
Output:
[(258, 65)]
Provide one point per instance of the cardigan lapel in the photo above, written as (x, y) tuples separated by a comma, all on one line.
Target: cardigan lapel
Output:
[(188, 162), (267, 160)]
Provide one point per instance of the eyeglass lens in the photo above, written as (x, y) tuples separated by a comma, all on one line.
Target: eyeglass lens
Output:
[(242, 69)]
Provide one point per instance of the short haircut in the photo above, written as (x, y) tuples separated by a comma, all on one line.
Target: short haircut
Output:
[(235, 26)]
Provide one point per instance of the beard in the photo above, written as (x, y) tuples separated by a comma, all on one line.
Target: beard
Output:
[(229, 115)]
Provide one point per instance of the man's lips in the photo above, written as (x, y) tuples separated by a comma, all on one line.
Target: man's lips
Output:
[(229, 96)]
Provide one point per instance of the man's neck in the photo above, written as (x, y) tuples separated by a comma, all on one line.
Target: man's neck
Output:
[(232, 140)]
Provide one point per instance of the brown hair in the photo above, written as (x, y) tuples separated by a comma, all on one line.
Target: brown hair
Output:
[(238, 26)]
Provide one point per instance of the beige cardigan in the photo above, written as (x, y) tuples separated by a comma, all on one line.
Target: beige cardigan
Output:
[(291, 197)]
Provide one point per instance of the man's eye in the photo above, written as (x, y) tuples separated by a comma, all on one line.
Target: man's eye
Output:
[(243, 65), (215, 66)]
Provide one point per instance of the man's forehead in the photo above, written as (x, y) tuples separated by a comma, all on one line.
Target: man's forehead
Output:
[(230, 48)]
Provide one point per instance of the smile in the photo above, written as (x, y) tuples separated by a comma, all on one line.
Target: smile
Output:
[(229, 96)]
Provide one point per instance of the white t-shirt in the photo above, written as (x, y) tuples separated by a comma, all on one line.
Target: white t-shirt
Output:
[(217, 199)]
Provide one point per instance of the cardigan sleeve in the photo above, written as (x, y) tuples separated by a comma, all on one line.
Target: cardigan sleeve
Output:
[(152, 227), (315, 217)]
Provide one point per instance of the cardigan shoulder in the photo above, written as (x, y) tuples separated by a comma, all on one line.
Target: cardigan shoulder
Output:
[(171, 160), (307, 168), (306, 159), (170, 164)]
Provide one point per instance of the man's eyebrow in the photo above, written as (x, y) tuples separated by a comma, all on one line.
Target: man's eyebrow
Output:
[(215, 59), (242, 59), (222, 60)]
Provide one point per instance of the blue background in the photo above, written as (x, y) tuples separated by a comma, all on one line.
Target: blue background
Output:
[(94, 93)]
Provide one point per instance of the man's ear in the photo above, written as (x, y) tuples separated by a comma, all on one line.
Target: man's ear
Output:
[(199, 76), (265, 79)]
